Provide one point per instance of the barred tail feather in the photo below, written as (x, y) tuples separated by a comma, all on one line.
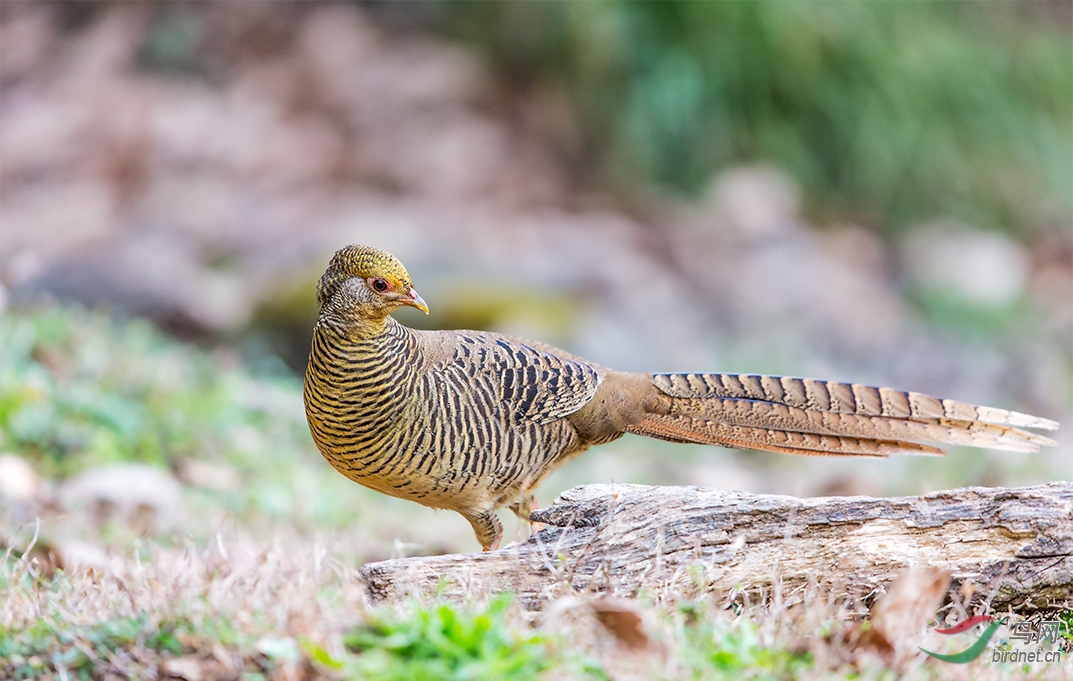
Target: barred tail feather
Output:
[(685, 429), (805, 416)]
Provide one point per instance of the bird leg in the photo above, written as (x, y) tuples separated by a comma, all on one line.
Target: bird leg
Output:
[(523, 507), (487, 527)]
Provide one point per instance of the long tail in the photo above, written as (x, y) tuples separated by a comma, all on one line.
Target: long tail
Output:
[(824, 418)]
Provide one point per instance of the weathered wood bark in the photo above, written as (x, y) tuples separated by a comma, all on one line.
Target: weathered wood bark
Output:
[(1011, 545)]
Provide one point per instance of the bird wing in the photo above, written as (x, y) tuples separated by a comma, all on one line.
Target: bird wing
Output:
[(532, 382)]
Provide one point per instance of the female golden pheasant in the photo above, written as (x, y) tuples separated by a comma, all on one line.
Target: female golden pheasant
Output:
[(472, 421)]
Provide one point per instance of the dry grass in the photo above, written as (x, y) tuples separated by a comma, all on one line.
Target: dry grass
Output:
[(225, 611), (227, 607)]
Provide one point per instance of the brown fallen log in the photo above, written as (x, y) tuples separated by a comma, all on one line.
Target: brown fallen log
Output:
[(1012, 545)]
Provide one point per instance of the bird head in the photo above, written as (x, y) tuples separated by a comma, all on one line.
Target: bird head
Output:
[(368, 282)]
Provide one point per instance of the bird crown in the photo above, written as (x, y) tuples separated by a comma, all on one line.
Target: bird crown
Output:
[(364, 262)]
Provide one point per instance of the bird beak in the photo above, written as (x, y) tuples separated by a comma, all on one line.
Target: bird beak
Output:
[(415, 300)]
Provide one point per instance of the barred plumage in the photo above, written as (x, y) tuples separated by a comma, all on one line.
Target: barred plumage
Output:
[(472, 421)]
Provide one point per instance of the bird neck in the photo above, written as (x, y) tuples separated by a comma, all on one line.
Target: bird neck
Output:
[(356, 328), (383, 337), (365, 383)]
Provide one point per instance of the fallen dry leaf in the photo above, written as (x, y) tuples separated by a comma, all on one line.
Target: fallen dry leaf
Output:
[(622, 620), (898, 616), (909, 604), (188, 668)]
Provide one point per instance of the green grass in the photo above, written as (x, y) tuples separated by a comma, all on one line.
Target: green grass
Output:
[(443, 643), (714, 651)]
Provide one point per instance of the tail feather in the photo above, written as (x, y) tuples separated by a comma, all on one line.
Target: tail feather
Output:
[(686, 429), (820, 417)]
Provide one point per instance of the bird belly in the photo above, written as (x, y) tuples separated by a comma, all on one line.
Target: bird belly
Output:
[(440, 443)]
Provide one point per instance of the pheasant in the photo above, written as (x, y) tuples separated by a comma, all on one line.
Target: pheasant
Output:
[(472, 421)]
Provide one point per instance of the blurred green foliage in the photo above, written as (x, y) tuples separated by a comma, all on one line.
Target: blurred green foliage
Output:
[(174, 43), (79, 389), (710, 649), (38, 650), (887, 112)]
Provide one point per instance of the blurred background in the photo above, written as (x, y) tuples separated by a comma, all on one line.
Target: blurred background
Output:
[(870, 192)]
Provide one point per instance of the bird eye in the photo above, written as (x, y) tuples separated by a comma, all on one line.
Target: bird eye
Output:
[(380, 285)]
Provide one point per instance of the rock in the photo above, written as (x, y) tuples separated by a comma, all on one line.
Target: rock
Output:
[(984, 269), (771, 276), (218, 477), (757, 203), (144, 496), (18, 480)]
